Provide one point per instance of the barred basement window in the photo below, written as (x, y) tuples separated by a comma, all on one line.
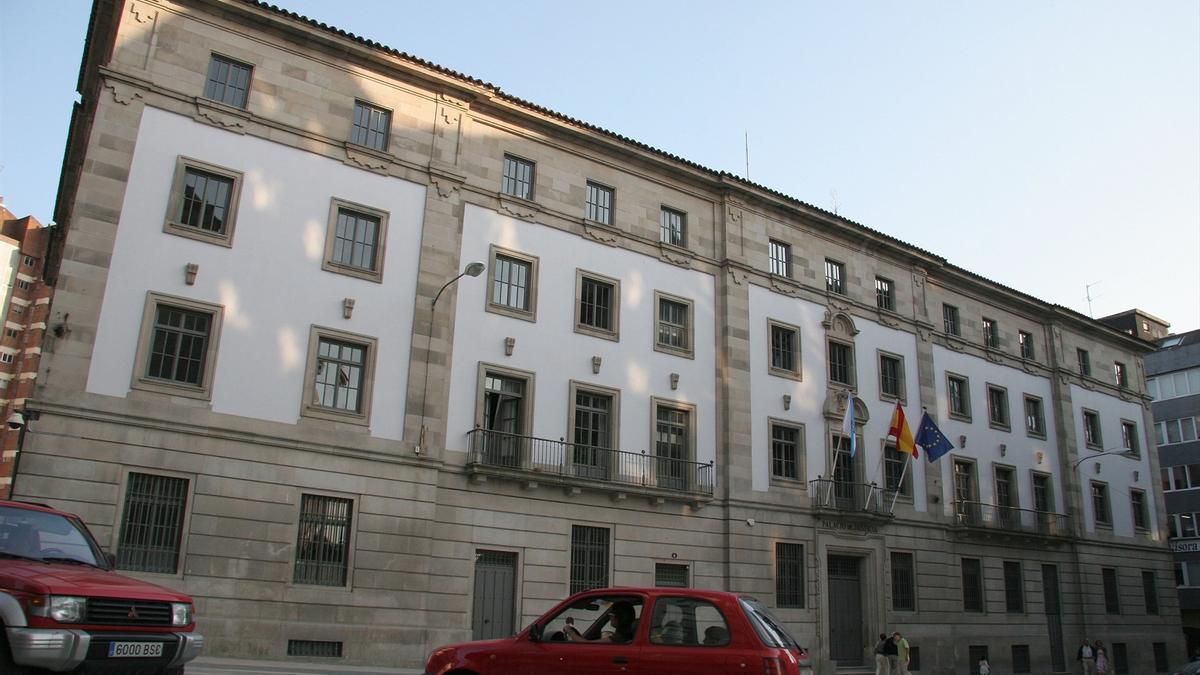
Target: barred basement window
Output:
[(152, 523), (589, 558), (789, 575), (1120, 659), (972, 588), (314, 648), (323, 541), (1160, 657), (904, 596), (1020, 659), (1014, 587), (667, 575), (1150, 592), (1112, 597)]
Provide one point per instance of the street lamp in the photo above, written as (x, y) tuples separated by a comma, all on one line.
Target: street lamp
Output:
[(1127, 452), (473, 269)]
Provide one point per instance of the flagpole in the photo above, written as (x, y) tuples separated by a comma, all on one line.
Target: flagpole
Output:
[(903, 473)]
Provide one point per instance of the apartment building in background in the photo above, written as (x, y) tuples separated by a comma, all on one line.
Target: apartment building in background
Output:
[(281, 394)]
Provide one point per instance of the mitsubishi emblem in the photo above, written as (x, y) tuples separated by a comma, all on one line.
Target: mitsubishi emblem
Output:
[(133, 613)]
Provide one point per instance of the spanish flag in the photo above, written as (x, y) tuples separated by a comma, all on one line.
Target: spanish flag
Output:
[(903, 435)]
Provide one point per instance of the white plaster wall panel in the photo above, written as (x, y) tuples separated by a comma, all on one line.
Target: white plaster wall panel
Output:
[(983, 441), (556, 354), (1115, 470), (270, 281)]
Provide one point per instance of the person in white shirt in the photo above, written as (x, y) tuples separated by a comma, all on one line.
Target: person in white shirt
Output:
[(1086, 656)]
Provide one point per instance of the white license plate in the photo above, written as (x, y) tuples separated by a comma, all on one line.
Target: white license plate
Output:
[(134, 649)]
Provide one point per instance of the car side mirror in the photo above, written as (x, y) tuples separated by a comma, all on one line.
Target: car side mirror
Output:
[(535, 633)]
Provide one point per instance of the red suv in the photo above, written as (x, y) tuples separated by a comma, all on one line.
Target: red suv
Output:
[(63, 609), (652, 631)]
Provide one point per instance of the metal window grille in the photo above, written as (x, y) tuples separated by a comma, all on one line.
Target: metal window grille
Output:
[(355, 239), (1026, 342), (904, 596), (1137, 502), (596, 304), (896, 479), (673, 227), (152, 523), (668, 575), (672, 324), (781, 258), (889, 376), (1085, 362), (991, 334), (785, 451), (510, 287), (841, 363), (589, 557), (228, 81), (1150, 592), (950, 319), (783, 348), (998, 406), (1112, 597), (885, 297), (314, 648), (599, 204), (179, 345), (789, 575), (1014, 590), (1160, 657), (205, 204), (323, 540), (1020, 660), (958, 396), (517, 179), (371, 126), (835, 273), (972, 587), (339, 378)]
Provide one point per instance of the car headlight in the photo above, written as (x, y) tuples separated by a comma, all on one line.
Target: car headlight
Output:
[(61, 608), (181, 613)]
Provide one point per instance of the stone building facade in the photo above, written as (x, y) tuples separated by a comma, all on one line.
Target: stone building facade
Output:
[(276, 395)]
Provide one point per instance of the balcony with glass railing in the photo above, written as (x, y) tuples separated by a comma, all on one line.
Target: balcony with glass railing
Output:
[(541, 460), (979, 519)]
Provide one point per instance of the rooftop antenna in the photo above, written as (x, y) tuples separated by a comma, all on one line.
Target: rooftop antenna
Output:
[(1088, 292), (833, 196), (747, 142)]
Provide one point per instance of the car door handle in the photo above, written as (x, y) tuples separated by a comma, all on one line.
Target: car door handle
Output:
[(623, 660)]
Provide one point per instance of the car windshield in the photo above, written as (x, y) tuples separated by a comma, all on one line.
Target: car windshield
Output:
[(38, 535), (770, 630)]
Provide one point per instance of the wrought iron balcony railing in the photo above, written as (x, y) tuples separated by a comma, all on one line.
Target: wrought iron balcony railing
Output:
[(1011, 519), (851, 497), (499, 450)]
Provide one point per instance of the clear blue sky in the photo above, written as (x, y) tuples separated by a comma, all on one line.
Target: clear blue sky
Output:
[(1046, 145)]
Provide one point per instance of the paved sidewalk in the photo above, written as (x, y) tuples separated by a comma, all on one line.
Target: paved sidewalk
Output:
[(216, 666)]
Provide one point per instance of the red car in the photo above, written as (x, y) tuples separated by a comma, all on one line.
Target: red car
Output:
[(63, 608), (649, 631)]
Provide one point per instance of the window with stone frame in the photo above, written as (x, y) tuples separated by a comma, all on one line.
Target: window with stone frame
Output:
[(673, 330), (516, 179), (1085, 362), (991, 333), (787, 451), (340, 376), (355, 240), (1025, 340), (1139, 509), (371, 127), (789, 576), (203, 204), (323, 541), (785, 349), (589, 558), (835, 277), (152, 523), (950, 320), (958, 396), (1150, 592), (904, 582), (1014, 588), (1129, 438), (599, 203), (1035, 418), (1112, 591), (177, 346), (1119, 376), (841, 363), (595, 413), (673, 227), (1091, 429), (514, 283), (228, 81), (598, 305), (998, 406), (897, 472), (1101, 507), (972, 585), (891, 376), (781, 258)]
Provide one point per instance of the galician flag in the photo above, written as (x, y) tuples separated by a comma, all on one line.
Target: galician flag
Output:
[(848, 425), (903, 435)]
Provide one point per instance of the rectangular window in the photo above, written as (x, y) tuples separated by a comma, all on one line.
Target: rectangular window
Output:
[(1091, 429), (673, 450), (841, 363), (1150, 592), (669, 575), (1141, 513), (950, 319), (503, 416), (228, 81), (594, 413), (589, 558), (785, 350), (371, 126), (517, 179), (1112, 592), (1119, 375), (673, 333), (599, 204), (1101, 509), (958, 396), (885, 294), (1085, 362), (514, 284), (1160, 657), (24, 285), (835, 277), (340, 369), (179, 349), (997, 406), (1026, 342), (673, 227), (1014, 588), (152, 523), (1120, 659), (891, 376), (789, 576), (904, 595), (896, 477), (203, 202), (1020, 660), (1129, 438), (323, 541), (972, 585), (1035, 420), (1043, 499), (598, 305), (6, 357), (991, 334), (1006, 493), (781, 258), (787, 451), (29, 260), (965, 494), (355, 240)]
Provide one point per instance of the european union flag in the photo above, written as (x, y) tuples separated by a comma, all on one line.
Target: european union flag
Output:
[(932, 439)]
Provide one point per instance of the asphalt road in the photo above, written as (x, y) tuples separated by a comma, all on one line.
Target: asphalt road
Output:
[(215, 666)]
